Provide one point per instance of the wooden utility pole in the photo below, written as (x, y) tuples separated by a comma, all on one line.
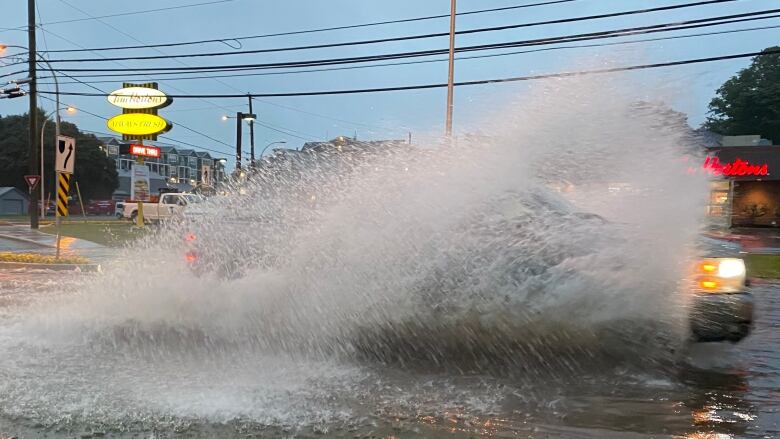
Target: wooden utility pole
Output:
[(450, 79), (33, 116)]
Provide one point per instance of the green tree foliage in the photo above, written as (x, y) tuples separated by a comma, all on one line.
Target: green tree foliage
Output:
[(749, 103), (95, 172)]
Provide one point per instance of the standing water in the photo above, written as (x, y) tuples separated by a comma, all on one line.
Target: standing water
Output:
[(508, 285)]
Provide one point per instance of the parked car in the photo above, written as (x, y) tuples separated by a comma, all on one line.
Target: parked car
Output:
[(169, 205), (100, 207)]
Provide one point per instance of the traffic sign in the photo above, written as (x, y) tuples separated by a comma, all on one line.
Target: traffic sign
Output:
[(63, 188), (32, 181), (66, 154)]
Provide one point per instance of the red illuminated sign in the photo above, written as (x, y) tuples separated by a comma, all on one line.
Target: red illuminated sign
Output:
[(145, 151), (737, 168)]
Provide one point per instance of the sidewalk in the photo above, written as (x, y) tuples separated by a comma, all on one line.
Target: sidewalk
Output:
[(21, 238), (754, 240)]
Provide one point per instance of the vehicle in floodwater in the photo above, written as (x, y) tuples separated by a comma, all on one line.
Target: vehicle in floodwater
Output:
[(722, 306), (720, 309)]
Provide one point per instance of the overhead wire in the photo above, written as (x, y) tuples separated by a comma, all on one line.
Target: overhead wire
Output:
[(178, 124), (81, 110), (469, 83), (325, 29), (120, 14), (396, 39), (147, 11), (663, 27), (179, 61), (460, 58)]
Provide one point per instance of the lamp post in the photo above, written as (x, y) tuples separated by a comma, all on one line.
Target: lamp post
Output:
[(71, 110), (272, 143), (249, 117), (33, 115), (251, 135)]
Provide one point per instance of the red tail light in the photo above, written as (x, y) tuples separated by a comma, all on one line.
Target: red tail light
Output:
[(190, 237), (191, 257)]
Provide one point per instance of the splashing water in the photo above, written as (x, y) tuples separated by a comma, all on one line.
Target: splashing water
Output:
[(315, 278)]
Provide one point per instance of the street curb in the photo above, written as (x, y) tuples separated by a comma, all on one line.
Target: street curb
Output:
[(88, 268), (28, 241)]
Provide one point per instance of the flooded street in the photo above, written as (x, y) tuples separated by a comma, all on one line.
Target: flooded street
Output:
[(719, 392)]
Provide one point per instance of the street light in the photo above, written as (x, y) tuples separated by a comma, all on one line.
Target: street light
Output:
[(71, 110), (249, 117), (34, 108)]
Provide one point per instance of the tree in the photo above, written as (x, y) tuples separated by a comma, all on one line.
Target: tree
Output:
[(94, 171), (749, 102)]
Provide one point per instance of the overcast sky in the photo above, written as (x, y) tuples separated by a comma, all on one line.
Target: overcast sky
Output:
[(372, 116)]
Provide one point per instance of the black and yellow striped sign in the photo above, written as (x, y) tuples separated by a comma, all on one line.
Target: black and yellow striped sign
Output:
[(63, 187)]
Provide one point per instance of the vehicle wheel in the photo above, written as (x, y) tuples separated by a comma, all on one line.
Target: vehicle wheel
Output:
[(134, 217)]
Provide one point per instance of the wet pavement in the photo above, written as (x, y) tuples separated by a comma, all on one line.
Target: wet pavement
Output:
[(719, 391), (20, 238)]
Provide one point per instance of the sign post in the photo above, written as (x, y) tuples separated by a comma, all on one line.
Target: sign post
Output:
[(139, 121), (65, 158)]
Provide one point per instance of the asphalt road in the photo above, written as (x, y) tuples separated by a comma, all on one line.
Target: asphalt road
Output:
[(62, 389)]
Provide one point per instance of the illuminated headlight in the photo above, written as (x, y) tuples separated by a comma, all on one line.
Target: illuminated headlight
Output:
[(731, 268), (721, 275)]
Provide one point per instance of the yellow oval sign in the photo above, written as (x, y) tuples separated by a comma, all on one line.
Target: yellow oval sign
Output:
[(138, 124), (137, 98)]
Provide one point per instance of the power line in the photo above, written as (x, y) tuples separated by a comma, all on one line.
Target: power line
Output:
[(325, 29), (179, 61), (664, 27), (174, 122), (466, 83), (124, 14), (81, 110), (579, 46), (396, 39)]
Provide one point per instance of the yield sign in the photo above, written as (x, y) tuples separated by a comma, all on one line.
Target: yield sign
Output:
[(32, 180)]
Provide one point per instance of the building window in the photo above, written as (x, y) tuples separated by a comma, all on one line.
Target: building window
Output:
[(173, 158), (193, 162), (113, 150), (184, 172), (125, 164), (206, 162)]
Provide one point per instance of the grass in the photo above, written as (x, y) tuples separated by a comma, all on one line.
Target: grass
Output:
[(41, 259), (764, 266), (114, 234)]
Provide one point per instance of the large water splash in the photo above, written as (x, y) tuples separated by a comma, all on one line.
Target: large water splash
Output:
[(463, 257)]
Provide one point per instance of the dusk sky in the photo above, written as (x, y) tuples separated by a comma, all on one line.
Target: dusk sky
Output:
[(371, 116)]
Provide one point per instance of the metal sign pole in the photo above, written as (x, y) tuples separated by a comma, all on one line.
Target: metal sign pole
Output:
[(58, 220), (140, 217)]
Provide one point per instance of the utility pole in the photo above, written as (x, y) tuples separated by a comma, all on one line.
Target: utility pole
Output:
[(33, 138), (450, 79), (251, 135)]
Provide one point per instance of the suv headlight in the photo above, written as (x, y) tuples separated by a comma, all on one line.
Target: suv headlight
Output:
[(721, 275)]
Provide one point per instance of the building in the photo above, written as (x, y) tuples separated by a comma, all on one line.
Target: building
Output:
[(13, 201), (745, 190), (176, 168)]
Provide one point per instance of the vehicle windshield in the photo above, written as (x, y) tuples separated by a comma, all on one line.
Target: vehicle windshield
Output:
[(190, 198)]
